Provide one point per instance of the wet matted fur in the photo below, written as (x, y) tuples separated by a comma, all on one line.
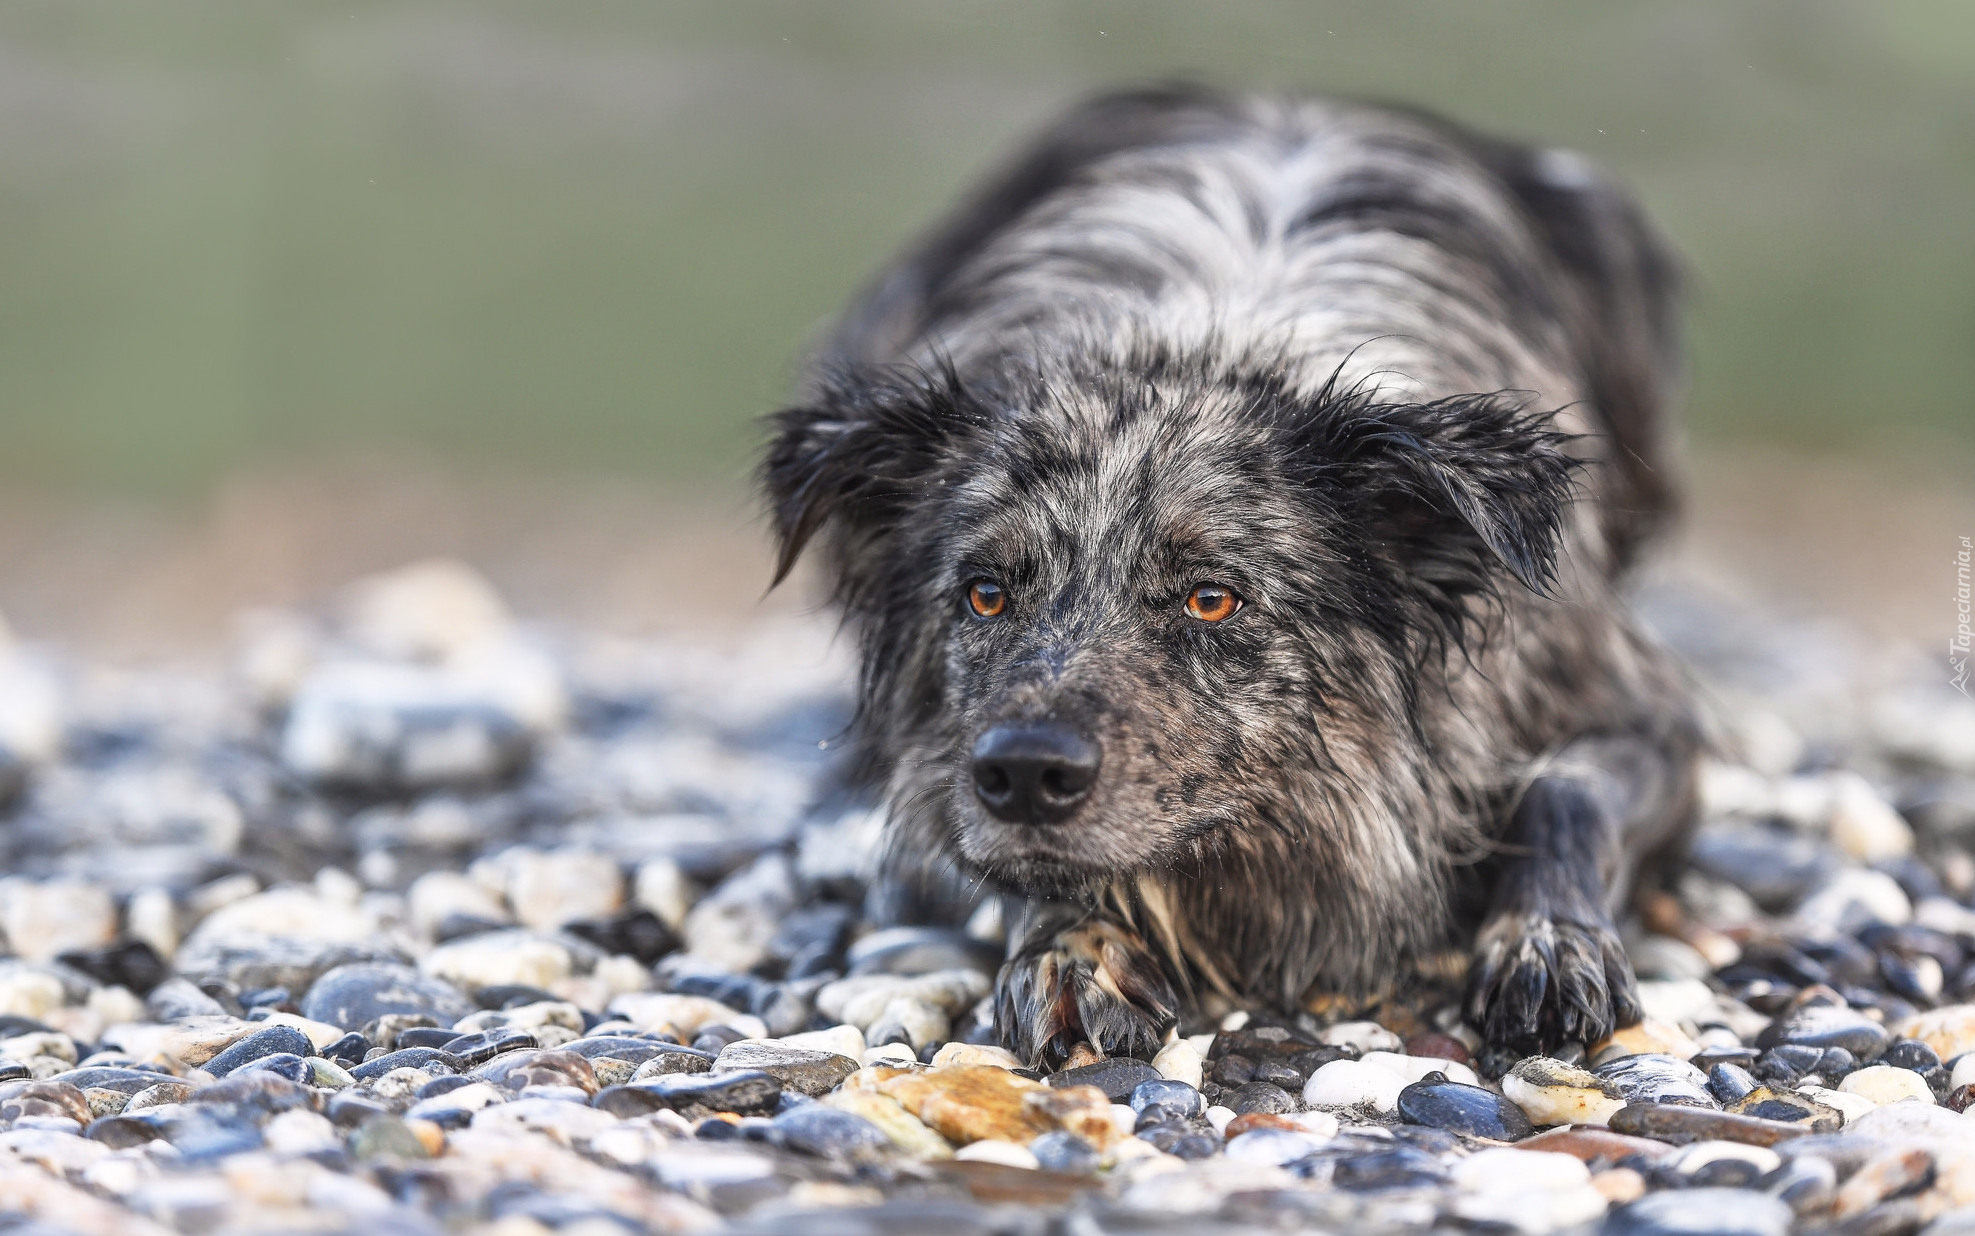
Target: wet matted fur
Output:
[(1402, 390)]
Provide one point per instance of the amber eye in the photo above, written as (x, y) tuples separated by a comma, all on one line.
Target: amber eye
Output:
[(1212, 603), (986, 598)]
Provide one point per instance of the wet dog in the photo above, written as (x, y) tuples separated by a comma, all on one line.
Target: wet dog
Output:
[(1230, 502)]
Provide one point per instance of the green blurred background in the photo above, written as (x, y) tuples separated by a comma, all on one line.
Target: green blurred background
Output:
[(591, 238)]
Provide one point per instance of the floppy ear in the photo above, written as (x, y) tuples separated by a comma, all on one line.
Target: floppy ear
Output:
[(857, 452), (1454, 485)]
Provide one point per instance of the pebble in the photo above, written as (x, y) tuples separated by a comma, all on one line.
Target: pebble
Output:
[(1680, 1123), (827, 1132), (1657, 1079), (1117, 1077), (1363, 1035), (42, 919), (1552, 1092), (695, 1094), (1950, 1030), (1702, 1212), (905, 1131), (1180, 1061), (994, 1150), (1352, 1083), (972, 1053), (968, 1103), (353, 996), (1825, 1025), (1064, 1152), (1884, 1175), (1457, 1108), (1883, 1084), (498, 959), (798, 1069), (261, 1043)]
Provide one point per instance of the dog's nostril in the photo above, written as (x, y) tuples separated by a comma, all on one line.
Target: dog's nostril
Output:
[(1034, 774)]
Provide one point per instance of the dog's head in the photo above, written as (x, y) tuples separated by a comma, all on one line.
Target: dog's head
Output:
[(1112, 616)]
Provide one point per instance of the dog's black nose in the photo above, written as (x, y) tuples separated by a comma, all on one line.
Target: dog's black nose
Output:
[(1034, 774)]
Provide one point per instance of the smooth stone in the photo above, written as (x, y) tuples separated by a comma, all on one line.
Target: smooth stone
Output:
[(481, 1046), (1083, 1110), (1276, 1147), (921, 950), (1116, 1077), (1459, 1108), (1731, 1083), (1881, 1177), (282, 1064), (1903, 1121), (1647, 1037), (995, 1150), (1401, 1167), (1551, 1092), (268, 1042), (1415, 1068), (827, 1132), (383, 725), (971, 1053), (1592, 1144), (1949, 1030), (844, 1040), (1826, 1025), (1885, 1083), (1179, 1061), (1850, 1106), (1261, 1097), (1352, 1083), (1805, 1183), (1680, 1123), (549, 888), (1911, 1054), (353, 996), (861, 999), (694, 1095), (1061, 1151), (1506, 1168), (906, 1131), (1184, 1100), (798, 1069), (519, 1070), (425, 1059), (1697, 1156), (968, 1103), (251, 1091), (516, 958), (1657, 1079), (673, 1060), (1701, 1212)]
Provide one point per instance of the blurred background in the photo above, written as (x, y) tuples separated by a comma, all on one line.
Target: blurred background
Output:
[(291, 291)]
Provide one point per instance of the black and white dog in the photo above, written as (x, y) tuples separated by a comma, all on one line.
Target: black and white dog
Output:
[(1230, 502)]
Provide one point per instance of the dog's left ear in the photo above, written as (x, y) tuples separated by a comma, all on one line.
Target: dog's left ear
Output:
[(856, 452), (1450, 484)]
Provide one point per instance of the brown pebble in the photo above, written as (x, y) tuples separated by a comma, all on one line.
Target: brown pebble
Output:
[(1620, 1185), (1880, 1178), (1081, 1055), (1438, 1047), (1671, 1122), (1248, 1122), (1960, 1097), (1082, 1110), (1591, 1143)]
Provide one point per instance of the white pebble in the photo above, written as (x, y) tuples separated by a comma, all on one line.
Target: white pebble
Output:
[(664, 890), (1178, 1061), (1413, 1068), (1883, 1084), (1219, 1117), (970, 1053), (1850, 1106), (993, 1150), (1350, 1083), (1864, 825), (889, 1053), (1500, 1168), (843, 1040), (1363, 1035), (1273, 1146), (1693, 1158), (1964, 1071)]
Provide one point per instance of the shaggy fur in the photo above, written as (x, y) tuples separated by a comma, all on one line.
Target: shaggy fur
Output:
[(1399, 387)]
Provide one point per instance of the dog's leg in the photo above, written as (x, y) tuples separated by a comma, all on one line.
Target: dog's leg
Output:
[(1074, 975), (1548, 965)]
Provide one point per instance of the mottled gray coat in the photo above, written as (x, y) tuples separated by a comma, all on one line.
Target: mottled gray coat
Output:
[(1402, 390)]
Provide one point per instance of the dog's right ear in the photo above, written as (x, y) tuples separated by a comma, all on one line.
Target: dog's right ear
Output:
[(858, 451)]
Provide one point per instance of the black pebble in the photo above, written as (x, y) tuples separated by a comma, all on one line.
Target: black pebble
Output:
[(1910, 1054), (1442, 1104), (483, 1045), (1730, 1082), (349, 1050), (1065, 1152), (426, 1036), (1235, 1070), (1260, 1096), (1117, 1077), (268, 1042), (441, 1085), (426, 1058)]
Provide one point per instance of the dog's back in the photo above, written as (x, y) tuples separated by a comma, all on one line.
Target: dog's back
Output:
[(1361, 246)]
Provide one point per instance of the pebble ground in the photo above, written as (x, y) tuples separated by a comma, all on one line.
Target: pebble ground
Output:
[(416, 920)]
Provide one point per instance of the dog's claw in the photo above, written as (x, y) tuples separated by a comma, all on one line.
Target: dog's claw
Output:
[(1093, 982), (1537, 982)]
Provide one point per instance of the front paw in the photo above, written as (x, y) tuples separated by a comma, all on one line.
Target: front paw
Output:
[(1095, 983), (1537, 982)]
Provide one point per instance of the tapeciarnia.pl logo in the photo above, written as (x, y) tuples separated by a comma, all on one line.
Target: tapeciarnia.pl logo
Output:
[(1959, 645)]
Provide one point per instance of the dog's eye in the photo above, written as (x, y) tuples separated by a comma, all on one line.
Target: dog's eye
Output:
[(1212, 603), (986, 598)]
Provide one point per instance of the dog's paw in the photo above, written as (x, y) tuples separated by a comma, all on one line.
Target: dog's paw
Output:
[(1537, 982), (1095, 982)]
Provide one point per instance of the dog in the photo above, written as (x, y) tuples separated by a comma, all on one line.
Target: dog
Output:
[(1231, 503)]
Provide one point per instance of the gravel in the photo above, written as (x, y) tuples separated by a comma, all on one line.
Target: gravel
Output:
[(426, 921)]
